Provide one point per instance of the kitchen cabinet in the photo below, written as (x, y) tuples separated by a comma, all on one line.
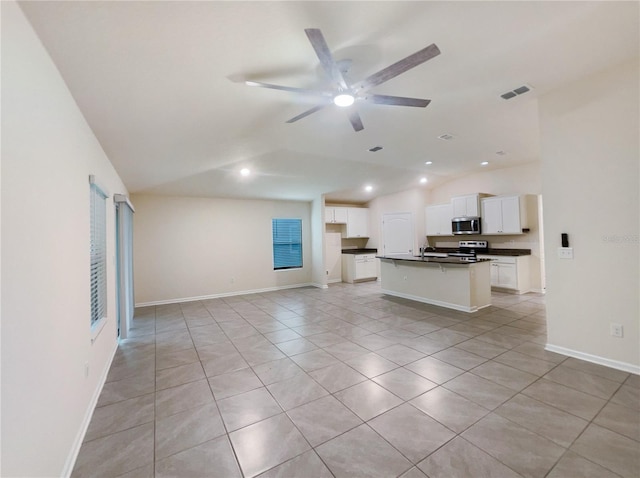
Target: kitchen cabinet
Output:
[(467, 205), (510, 273), (357, 222), (503, 215), (359, 267), (438, 220), (335, 215)]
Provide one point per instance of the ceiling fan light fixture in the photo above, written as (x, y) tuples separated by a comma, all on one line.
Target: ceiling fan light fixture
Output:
[(343, 99)]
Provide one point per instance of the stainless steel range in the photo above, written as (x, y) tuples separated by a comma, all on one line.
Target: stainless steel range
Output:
[(470, 249)]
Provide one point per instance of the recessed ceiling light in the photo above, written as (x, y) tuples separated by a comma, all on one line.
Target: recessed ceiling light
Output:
[(501, 153), (344, 100), (368, 188), (428, 163), (423, 180), (245, 171), (484, 163), (375, 149), (446, 137)]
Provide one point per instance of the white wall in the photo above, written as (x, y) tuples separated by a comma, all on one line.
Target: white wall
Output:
[(48, 152), (186, 247), (589, 140)]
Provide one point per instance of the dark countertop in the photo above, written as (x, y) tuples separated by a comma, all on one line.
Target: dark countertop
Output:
[(507, 252), (359, 251), (435, 260), (490, 252)]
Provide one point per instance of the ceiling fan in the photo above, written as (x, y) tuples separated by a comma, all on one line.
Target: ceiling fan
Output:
[(343, 93)]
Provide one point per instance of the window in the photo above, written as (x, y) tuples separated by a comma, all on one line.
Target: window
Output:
[(98, 251), (287, 243)]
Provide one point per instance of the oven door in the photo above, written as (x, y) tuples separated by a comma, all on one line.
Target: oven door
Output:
[(465, 225)]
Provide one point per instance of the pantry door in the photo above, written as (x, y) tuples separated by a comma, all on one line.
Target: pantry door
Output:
[(397, 233)]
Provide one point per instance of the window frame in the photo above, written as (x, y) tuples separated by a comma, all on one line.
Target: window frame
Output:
[(299, 255), (98, 253)]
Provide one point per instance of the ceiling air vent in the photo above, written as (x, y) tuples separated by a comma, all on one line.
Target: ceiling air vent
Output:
[(446, 137), (375, 148), (518, 91)]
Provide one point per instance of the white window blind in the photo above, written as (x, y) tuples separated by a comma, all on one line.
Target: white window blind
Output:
[(287, 243), (98, 248)]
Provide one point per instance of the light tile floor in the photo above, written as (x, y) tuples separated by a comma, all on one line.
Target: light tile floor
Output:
[(349, 382)]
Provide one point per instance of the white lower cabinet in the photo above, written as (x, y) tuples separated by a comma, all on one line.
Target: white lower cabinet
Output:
[(359, 267), (510, 272)]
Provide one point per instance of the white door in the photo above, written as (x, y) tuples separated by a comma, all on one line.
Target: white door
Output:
[(397, 233), (124, 265)]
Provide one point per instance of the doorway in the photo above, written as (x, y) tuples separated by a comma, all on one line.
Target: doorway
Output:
[(125, 301)]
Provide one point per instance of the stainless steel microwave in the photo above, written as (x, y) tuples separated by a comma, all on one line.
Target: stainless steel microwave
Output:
[(465, 225)]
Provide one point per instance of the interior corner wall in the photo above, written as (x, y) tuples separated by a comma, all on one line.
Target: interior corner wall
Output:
[(319, 277), (188, 248), (589, 140), (48, 153)]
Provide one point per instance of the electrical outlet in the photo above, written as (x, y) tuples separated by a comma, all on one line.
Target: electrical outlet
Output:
[(404, 278), (565, 252), (616, 330)]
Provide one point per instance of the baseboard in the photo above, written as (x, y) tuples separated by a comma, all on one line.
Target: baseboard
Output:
[(225, 294), (624, 366), (333, 281), (439, 303), (320, 286), (77, 443)]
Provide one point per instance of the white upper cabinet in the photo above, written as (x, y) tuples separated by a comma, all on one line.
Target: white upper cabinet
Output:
[(357, 222), (438, 219), (465, 205), (502, 215), (335, 215)]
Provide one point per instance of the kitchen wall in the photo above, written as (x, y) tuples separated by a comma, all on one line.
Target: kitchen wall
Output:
[(187, 248), (521, 179), (589, 143), (51, 372)]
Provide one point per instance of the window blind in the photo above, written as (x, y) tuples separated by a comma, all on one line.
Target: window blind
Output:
[(287, 243), (98, 252)]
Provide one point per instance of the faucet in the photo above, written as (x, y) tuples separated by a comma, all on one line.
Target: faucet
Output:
[(425, 246)]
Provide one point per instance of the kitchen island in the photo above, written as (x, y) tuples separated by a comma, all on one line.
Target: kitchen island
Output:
[(457, 283)]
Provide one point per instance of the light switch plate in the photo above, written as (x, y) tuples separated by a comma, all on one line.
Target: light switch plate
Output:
[(565, 252)]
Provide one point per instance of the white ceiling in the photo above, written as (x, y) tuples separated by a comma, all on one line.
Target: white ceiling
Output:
[(161, 85)]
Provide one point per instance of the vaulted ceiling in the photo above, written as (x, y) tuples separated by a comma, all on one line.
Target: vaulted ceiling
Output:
[(161, 85)]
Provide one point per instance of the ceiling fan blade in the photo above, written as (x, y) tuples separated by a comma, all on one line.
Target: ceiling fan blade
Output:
[(399, 67), (306, 113), (291, 89), (324, 55), (397, 100), (355, 120)]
